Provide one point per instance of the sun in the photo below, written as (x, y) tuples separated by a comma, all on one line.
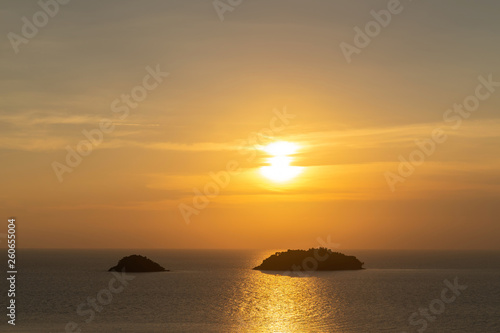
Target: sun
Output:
[(280, 169)]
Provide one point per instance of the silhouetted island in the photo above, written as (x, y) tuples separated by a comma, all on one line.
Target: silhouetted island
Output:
[(137, 263), (320, 259)]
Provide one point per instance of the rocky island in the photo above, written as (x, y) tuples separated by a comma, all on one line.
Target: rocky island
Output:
[(320, 259), (137, 263)]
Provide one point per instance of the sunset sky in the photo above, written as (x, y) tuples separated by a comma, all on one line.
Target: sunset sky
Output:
[(227, 80)]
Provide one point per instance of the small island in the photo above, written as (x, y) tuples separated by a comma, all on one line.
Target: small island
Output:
[(320, 259), (137, 263)]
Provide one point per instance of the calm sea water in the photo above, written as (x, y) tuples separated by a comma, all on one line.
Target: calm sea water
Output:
[(216, 291)]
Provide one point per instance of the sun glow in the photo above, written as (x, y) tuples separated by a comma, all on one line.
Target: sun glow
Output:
[(280, 169)]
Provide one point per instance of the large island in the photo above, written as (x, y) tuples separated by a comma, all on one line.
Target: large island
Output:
[(319, 259)]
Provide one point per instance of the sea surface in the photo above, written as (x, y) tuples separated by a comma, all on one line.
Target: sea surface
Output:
[(217, 291)]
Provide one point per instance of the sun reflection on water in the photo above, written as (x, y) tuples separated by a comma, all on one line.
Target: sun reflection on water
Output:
[(277, 303)]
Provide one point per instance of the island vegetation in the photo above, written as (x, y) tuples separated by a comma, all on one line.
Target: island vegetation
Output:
[(314, 259), (137, 263)]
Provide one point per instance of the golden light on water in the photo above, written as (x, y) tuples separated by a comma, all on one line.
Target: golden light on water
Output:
[(280, 303), (280, 168)]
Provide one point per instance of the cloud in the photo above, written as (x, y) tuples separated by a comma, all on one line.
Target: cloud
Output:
[(52, 130), (399, 135), (31, 118)]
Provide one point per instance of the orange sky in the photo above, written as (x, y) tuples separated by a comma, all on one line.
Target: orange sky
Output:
[(271, 68)]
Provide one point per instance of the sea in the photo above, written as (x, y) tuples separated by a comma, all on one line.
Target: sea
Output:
[(217, 291)]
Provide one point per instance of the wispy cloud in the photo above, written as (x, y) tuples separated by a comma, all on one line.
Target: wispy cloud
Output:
[(33, 130), (46, 118), (398, 135)]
